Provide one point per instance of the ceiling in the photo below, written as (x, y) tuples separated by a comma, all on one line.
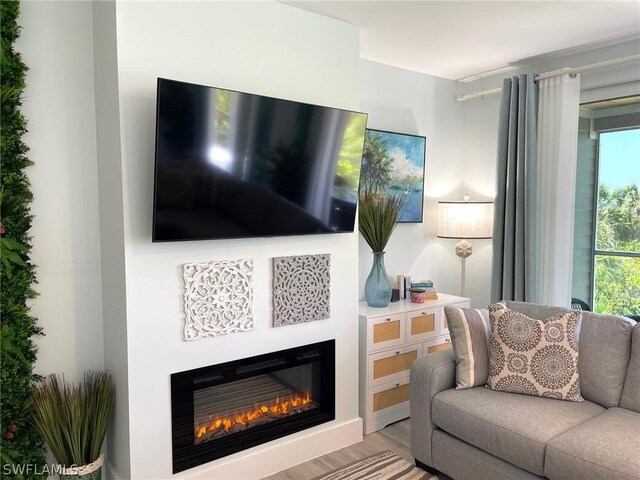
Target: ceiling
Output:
[(455, 39)]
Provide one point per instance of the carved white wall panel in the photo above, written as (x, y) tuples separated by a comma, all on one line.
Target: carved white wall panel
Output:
[(218, 298), (300, 289)]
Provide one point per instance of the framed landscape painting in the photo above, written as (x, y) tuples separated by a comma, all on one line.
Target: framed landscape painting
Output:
[(393, 163)]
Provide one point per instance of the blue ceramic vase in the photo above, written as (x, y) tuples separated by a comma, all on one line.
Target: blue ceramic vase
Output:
[(377, 288)]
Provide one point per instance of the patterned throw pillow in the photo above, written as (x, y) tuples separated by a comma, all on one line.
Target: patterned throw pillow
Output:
[(534, 357), (469, 330)]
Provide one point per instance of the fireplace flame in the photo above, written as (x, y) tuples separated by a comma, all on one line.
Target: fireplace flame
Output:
[(277, 407)]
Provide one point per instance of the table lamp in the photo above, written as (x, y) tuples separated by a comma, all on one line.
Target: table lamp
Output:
[(465, 220)]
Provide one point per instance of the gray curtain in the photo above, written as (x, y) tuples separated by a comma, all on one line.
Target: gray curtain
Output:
[(513, 272)]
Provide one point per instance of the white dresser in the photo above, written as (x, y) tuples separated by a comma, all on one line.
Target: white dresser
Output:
[(389, 340)]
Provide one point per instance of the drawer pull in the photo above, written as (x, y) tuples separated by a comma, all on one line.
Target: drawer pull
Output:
[(397, 353), (424, 313), (387, 319), (397, 384), (447, 339)]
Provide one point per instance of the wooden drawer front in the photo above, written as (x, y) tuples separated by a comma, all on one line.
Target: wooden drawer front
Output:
[(391, 365), (437, 345), (423, 324), (385, 332), (441, 346), (392, 396)]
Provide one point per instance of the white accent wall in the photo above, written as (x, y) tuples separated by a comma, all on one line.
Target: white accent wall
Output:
[(56, 45), (260, 47), (114, 281)]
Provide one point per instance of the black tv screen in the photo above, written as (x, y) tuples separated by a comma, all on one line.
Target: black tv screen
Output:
[(232, 164)]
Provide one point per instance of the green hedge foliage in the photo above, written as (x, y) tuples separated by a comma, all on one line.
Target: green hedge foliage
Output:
[(21, 451)]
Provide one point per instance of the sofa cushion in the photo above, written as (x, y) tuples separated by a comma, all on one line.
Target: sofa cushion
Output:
[(534, 357), (631, 392), (469, 330), (605, 346), (462, 461), (605, 447), (515, 428)]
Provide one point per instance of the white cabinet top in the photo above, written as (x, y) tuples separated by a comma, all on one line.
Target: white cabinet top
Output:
[(405, 305)]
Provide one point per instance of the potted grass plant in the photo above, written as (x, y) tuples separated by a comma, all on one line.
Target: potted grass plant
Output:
[(73, 420), (378, 215)]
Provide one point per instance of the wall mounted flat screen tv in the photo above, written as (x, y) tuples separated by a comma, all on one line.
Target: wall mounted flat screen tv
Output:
[(231, 165)]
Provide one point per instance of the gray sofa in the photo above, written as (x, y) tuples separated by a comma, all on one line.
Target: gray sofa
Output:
[(481, 434)]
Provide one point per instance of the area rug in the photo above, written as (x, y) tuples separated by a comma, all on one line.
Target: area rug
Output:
[(381, 466)]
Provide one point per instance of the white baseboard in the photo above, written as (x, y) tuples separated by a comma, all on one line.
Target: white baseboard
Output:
[(265, 460)]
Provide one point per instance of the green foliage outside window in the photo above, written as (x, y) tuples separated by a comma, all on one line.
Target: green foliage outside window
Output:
[(22, 454), (618, 278), (618, 219)]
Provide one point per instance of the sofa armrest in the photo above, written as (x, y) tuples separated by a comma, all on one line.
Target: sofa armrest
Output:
[(430, 375)]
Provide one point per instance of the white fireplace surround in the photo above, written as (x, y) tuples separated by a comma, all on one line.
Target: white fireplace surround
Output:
[(234, 45)]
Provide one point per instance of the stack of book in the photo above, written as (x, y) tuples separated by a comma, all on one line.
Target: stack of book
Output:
[(427, 286)]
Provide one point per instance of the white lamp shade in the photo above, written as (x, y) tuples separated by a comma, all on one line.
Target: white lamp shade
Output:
[(465, 219)]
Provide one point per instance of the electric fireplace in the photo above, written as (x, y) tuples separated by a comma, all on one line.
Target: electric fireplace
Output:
[(222, 409)]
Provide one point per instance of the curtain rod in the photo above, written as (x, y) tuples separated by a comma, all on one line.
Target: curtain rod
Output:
[(555, 73)]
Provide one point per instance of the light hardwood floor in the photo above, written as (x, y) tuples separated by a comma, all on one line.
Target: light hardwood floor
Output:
[(394, 437)]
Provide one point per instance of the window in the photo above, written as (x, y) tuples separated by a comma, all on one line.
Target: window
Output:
[(617, 239), (607, 219)]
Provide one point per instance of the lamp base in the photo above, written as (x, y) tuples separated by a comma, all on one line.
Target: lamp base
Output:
[(464, 249)]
